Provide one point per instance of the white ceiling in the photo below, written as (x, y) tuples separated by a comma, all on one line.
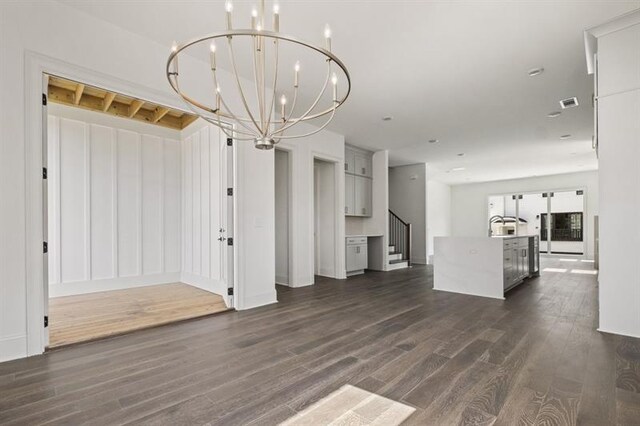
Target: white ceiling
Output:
[(455, 71)]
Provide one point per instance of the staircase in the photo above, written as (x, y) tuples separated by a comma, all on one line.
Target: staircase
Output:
[(399, 243)]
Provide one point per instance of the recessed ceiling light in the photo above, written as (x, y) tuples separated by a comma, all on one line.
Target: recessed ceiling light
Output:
[(460, 154), (535, 71), (387, 118), (554, 114), (458, 169), (564, 137), (433, 140)]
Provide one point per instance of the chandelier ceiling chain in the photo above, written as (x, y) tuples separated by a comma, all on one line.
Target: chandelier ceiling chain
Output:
[(258, 121)]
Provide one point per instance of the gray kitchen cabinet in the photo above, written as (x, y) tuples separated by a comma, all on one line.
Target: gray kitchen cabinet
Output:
[(349, 195), (358, 182), (516, 260), (363, 164), (349, 161), (357, 255), (363, 196)]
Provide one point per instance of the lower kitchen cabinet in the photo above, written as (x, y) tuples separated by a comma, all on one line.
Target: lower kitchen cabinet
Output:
[(516, 260), (357, 255)]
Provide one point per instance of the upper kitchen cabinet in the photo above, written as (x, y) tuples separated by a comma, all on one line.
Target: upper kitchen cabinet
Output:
[(358, 182), (357, 161), (349, 161), (363, 164)]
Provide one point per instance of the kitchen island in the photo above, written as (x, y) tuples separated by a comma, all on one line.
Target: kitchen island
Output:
[(484, 266)]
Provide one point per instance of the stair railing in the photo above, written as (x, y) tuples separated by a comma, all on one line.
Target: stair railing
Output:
[(400, 236)]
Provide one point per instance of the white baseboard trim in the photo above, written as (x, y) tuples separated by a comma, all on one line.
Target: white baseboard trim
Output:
[(603, 330), (470, 294), (328, 273), (94, 286), (13, 347), (304, 284), (282, 280), (258, 300)]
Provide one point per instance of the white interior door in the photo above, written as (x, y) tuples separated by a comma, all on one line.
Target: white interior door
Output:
[(208, 211), (45, 206)]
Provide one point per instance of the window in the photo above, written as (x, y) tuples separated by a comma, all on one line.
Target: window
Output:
[(564, 226)]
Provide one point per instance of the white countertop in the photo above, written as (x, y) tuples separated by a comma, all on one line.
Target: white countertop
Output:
[(511, 236), (362, 235)]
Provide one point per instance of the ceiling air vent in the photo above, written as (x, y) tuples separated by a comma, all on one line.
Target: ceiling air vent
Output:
[(569, 103)]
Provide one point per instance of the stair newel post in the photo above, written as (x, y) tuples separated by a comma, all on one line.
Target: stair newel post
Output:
[(409, 244)]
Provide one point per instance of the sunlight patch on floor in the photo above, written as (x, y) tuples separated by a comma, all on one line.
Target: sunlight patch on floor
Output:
[(560, 270), (584, 271), (350, 405)]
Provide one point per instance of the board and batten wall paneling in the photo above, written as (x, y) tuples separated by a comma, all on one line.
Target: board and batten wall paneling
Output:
[(114, 207), (203, 152)]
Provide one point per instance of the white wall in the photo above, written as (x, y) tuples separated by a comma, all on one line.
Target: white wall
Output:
[(408, 200), (59, 38), (325, 218), (619, 151), (254, 226), (327, 146), (438, 213), (282, 212), (114, 197), (203, 209), (469, 208)]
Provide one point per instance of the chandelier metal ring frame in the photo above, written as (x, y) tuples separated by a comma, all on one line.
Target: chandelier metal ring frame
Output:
[(263, 136)]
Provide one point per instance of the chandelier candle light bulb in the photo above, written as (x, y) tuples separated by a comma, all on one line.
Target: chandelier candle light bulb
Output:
[(251, 119), (212, 55), (283, 103), (229, 8), (174, 48), (254, 18), (327, 36), (334, 81), (276, 17)]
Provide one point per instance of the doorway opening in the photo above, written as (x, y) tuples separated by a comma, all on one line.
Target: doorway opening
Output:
[(325, 224), (136, 214), (283, 211)]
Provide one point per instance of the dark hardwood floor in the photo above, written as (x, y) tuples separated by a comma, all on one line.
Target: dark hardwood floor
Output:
[(534, 358)]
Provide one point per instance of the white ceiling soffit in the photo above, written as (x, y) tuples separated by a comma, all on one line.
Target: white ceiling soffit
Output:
[(452, 71)]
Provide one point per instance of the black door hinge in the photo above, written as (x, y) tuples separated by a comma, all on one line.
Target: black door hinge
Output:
[(45, 247), (44, 100), (229, 142), (44, 173), (229, 241), (580, 192), (230, 291), (230, 192), (46, 321)]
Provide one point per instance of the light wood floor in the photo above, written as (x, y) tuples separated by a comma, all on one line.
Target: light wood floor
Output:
[(532, 359), (85, 317)]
